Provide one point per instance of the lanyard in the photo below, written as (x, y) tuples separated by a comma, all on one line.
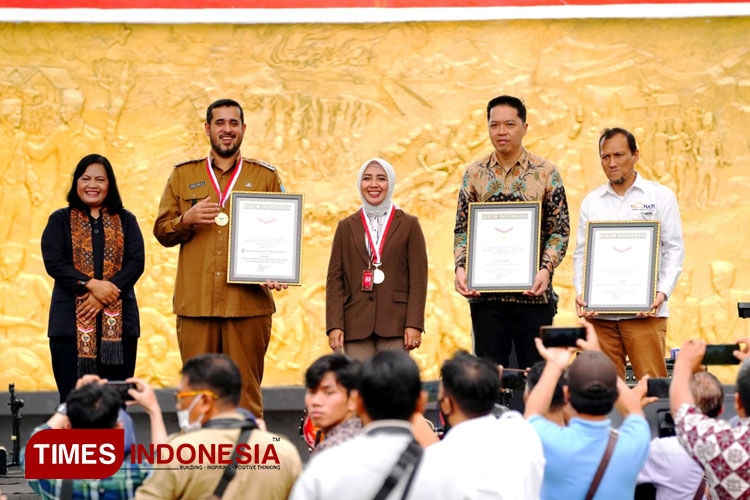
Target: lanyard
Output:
[(237, 169), (376, 249)]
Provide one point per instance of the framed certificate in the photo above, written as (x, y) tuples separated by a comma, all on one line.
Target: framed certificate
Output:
[(265, 238), (502, 248), (620, 266)]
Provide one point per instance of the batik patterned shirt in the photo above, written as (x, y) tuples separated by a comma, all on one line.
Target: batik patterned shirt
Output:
[(722, 449), (532, 178), (342, 432)]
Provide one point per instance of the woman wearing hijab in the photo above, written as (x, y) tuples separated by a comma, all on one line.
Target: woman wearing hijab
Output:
[(94, 251), (377, 276)]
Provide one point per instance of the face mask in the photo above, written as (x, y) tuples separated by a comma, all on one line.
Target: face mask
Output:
[(183, 418), (446, 423)]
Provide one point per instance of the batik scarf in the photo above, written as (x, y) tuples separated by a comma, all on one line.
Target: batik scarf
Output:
[(83, 261)]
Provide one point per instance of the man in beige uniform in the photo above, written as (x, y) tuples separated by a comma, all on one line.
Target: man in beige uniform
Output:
[(213, 315), (208, 416)]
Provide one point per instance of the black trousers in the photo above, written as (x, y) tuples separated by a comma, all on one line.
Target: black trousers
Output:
[(500, 326), (64, 351)]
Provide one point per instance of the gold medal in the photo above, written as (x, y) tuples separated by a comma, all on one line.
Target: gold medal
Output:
[(222, 219)]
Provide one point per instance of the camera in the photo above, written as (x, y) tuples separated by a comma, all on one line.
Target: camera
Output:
[(561, 336), (122, 389)]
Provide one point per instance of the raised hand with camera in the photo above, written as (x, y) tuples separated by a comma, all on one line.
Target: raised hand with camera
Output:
[(689, 360), (632, 400), (95, 403), (591, 343), (557, 360), (742, 353), (142, 394)]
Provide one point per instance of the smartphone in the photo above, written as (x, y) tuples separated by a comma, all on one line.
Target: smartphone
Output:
[(122, 388), (721, 354), (658, 387), (561, 336), (431, 387), (515, 381)]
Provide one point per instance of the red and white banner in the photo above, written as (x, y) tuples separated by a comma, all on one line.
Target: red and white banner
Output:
[(326, 4), (352, 11)]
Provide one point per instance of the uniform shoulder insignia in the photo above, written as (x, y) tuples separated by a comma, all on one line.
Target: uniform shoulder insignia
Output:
[(261, 163), (189, 161)]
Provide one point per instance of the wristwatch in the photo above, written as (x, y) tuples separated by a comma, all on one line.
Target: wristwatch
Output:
[(82, 286), (62, 409)]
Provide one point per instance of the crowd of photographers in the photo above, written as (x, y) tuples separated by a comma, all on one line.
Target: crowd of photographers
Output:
[(373, 441)]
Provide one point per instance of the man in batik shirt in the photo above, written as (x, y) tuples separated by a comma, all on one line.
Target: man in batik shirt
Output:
[(722, 449), (511, 173)]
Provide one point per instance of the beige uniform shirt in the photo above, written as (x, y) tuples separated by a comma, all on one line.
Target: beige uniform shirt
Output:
[(201, 288), (270, 481)]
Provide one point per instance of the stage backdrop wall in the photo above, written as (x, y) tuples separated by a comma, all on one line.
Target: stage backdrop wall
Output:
[(319, 100)]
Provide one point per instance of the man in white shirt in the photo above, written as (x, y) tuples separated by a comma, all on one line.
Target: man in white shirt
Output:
[(389, 393), (481, 456), (628, 196)]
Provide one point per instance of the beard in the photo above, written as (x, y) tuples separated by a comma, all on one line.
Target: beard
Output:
[(619, 181), (225, 152)]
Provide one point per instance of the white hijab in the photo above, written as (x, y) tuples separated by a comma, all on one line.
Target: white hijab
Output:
[(385, 205)]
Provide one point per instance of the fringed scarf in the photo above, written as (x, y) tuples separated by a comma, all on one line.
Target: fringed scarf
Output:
[(83, 261)]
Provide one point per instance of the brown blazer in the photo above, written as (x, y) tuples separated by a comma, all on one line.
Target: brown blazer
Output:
[(393, 305)]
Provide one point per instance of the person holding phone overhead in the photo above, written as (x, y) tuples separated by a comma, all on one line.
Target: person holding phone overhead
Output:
[(93, 249), (377, 274)]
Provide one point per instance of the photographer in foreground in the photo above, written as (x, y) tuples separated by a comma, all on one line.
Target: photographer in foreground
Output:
[(672, 471), (589, 456), (722, 449), (208, 412), (95, 405)]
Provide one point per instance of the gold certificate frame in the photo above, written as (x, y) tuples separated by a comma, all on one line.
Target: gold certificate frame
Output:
[(265, 238), (503, 245), (621, 266)]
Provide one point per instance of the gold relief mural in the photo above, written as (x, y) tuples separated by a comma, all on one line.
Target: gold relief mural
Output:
[(320, 99)]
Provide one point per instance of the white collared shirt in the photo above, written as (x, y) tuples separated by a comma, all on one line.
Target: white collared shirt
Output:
[(671, 469), (484, 458), (357, 468), (644, 200)]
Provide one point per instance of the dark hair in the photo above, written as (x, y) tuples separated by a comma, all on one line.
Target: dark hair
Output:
[(473, 383), (743, 386), (112, 202), (708, 393), (389, 385), (533, 376), (216, 373), (93, 406), (507, 100), (223, 103), (608, 133), (595, 401), (344, 369)]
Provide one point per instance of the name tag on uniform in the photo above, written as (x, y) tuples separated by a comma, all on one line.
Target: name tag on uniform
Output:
[(367, 280), (197, 184)]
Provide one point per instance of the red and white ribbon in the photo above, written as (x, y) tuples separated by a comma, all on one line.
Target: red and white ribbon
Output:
[(376, 247), (223, 197)]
